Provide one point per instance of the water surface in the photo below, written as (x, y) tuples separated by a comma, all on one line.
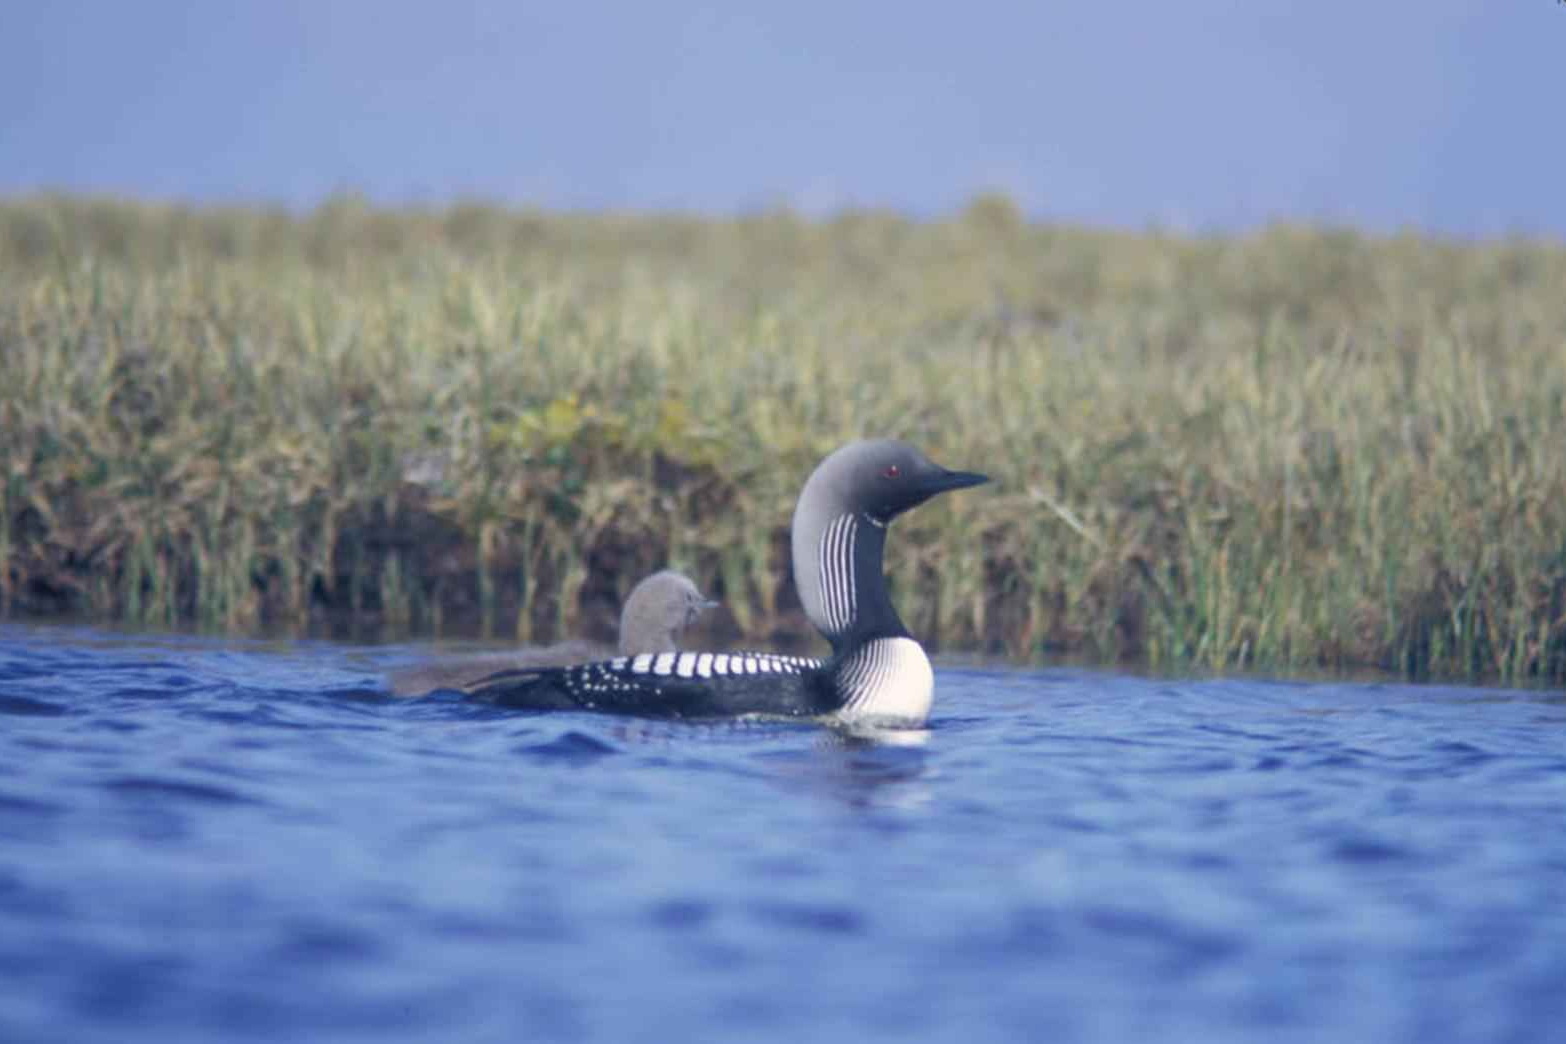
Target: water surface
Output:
[(203, 841)]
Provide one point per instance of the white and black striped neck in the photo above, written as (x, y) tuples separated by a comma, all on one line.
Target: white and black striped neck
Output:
[(840, 580), (839, 533)]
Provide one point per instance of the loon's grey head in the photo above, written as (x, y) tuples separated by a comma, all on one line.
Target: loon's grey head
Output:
[(839, 532), (657, 611)]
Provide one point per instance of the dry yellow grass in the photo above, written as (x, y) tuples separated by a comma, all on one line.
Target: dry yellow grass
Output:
[(1291, 448)]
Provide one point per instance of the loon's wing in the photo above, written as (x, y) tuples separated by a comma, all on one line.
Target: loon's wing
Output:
[(671, 685)]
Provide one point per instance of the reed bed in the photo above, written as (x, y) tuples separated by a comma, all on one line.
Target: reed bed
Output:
[(1296, 448)]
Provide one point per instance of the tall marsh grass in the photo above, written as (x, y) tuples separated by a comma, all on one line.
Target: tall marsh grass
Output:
[(1293, 448)]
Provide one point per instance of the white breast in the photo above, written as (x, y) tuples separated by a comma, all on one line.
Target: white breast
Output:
[(888, 680)]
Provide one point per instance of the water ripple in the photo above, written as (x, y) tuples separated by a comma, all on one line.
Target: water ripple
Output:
[(180, 789), (29, 707), (572, 747)]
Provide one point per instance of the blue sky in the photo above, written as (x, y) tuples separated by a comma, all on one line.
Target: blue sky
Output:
[(1447, 116)]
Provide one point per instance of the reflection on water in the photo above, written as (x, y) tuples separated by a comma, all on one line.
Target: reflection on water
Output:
[(233, 841), (861, 767)]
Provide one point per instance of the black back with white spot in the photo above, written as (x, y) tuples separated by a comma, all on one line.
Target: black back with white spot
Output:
[(672, 685)]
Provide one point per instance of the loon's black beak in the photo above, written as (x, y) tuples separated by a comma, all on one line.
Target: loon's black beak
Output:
[(933, 482), (947, 480)]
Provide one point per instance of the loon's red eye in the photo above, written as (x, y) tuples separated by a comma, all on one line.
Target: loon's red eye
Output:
[(891, 471)]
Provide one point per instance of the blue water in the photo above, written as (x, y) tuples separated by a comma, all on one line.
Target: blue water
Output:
[(203, 841)]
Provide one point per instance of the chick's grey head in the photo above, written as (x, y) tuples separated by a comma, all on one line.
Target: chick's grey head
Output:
[(657, 611), (838, 523)]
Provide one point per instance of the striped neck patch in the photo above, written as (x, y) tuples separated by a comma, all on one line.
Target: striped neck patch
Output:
[(835, 565)]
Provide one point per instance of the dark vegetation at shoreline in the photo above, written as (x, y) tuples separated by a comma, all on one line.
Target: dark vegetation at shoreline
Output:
[(1288, 449)]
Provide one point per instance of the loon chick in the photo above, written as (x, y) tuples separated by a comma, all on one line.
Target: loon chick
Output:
[(877, 671), (654, 618)]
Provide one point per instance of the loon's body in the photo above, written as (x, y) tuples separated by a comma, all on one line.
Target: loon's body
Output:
[(653, 620), (877, 671), (670, 685)]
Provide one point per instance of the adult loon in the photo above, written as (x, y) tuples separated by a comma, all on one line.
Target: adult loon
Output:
[(877, 672), (653, 619)]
